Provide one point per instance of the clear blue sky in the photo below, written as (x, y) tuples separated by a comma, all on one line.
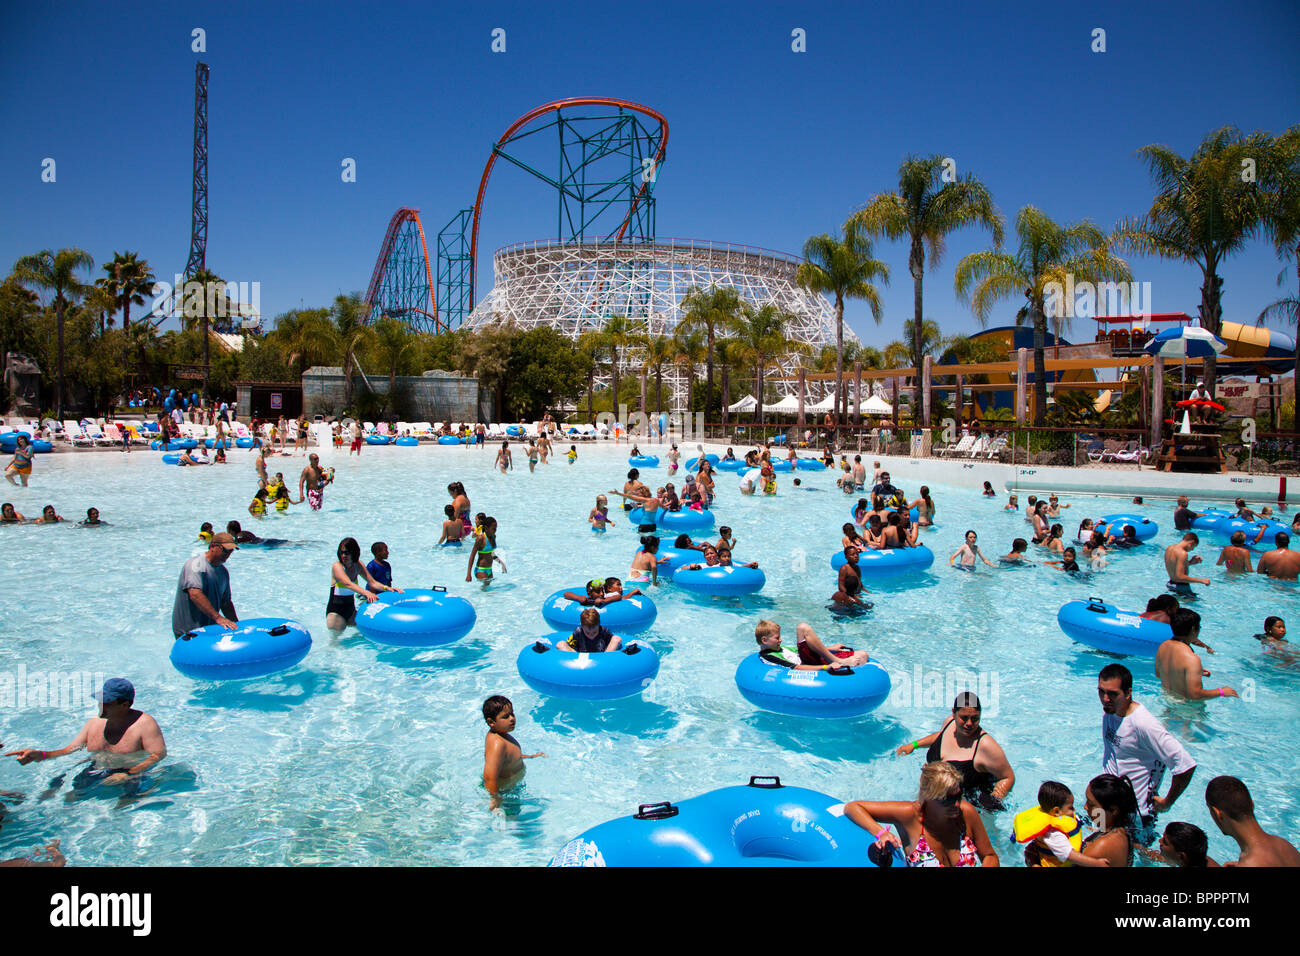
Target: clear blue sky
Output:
[(767, 146)]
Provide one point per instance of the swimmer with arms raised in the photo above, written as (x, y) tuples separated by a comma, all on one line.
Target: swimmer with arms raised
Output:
[(121, 740), (503, 759), (969, 552)]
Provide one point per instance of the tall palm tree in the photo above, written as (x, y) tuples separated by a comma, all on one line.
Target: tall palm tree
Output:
[(659, 351), (306, 337), (762, 333), (924, 210), (618, 334), (845, 269), (1046, 254), (57, 273), (689, 353), (714, 310), (393, 342), (128, 278), (728, 353), (349, 314), (591, 344), (1282, 224), (1204, 211)]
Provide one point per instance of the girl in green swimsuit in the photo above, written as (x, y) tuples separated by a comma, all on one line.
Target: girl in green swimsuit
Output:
[(484, 553)]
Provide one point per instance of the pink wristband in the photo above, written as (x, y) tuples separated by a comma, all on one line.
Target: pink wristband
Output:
[(1220, 691)]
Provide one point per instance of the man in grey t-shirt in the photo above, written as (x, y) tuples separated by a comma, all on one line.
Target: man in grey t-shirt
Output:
[(204, 586)]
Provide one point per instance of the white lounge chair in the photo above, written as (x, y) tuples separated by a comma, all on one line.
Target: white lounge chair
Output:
[(996, 447), (980, 446), (96, 434), (74, 433), (961, 448)]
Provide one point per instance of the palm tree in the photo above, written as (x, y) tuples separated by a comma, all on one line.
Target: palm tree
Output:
[(349, 313), (728, 353), (925, 209), (844, 269), (306, 337), (57, 272), (689, 352), (1204, 211), (1046, 254), (1282, 224), (129, 278), (618, 333), (591, 344), (660, 350), (393, 341), (762, 333), (715, 309)]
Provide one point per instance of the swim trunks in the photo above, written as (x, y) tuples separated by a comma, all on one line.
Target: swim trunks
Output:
[(345, 606), (1181, 588), (315, 498)]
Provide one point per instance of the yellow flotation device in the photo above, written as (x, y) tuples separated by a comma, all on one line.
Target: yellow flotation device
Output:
[(258, 506), (769, 486), (1032, 823)]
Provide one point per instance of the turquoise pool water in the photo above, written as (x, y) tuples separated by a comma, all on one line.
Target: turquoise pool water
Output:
[(372, 755)]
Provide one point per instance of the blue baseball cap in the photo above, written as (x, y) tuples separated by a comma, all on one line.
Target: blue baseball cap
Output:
[(116, 689)]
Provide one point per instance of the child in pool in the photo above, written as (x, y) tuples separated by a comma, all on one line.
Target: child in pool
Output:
[(988, 491), (1017, 555), (205, 531), (503, 759), (673, 456), (453, 530), (573, 454), (599, 517), (968, 552), (725, 539), (1013, 504), (1067, 562), (1055, 800)]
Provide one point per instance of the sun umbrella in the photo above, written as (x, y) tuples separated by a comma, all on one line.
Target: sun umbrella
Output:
[(1186, 341)]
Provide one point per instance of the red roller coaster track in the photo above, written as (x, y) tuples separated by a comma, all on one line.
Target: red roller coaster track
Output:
[(528, 118), (402, 216)]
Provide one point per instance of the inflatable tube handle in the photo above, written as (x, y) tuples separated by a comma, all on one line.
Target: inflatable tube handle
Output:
[(438, 587), (655, 811), (632, 649), (278, 630), (774, 785), (541, 647), (1097, 604), (840, 671), (187, 636)]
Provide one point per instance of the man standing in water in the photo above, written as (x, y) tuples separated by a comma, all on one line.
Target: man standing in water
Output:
[(204, 587), (125, 741), (1137, 746), (314, 480), (1177, 561), (1178, 666), (1233, 812), (1281, 563)]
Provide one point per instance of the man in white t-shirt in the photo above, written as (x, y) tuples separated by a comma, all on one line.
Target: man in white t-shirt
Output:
[(751, 481), (1137, 746)]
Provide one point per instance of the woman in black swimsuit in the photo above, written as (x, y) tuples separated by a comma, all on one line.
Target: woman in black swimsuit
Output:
[(987, 776)]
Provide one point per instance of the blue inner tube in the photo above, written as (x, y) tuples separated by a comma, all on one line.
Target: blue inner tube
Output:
[(378, 439), (212, 443), (720, 580), (448, 440), (1225, 528), (889, 561), (782, 464), (515, 430), (1209, 520), (416, 618), (676, 558), (40, 446), (628, 616), (180, 444), (644, 461), (172, 458), (734, 464), (695, 462), (797, 693), (1107, 628), (762, 824), (913, 513), (607, 676), (407, 441), (259, 646), (1144, 526), (810, 464), (685, 520), (243, 443)]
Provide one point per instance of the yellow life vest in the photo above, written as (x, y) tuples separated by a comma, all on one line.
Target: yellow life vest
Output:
[(1032, 823), (258, 506)]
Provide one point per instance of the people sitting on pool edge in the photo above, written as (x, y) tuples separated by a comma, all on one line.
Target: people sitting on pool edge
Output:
[(590, 636), (808, 654), (986, 774), (936, 829)]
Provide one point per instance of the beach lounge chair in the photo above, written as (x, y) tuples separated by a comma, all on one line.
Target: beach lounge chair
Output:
[(996, 447), (1129, 453), (92, 431), (1095, 449), (73, 432), (981, 445), (962, 447)]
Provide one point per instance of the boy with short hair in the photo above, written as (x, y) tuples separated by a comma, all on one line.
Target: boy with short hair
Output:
[(809, 653), (1052, 830), (379, 568), (503, 760)]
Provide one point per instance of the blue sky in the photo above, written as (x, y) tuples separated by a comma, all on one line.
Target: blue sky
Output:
[(767, 146)]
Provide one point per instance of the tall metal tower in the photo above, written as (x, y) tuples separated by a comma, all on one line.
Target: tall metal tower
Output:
[(199, 219)]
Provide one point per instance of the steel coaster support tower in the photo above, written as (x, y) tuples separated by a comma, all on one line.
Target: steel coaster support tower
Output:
[(401, 285), (197, 261), (455, 270), (610, 154)]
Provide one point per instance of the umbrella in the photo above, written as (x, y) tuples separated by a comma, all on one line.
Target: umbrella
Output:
[(1186, 341)]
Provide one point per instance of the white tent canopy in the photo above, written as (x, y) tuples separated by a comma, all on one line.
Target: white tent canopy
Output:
[(827, 404), (876, 405), (747, 404), (787, 406)]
